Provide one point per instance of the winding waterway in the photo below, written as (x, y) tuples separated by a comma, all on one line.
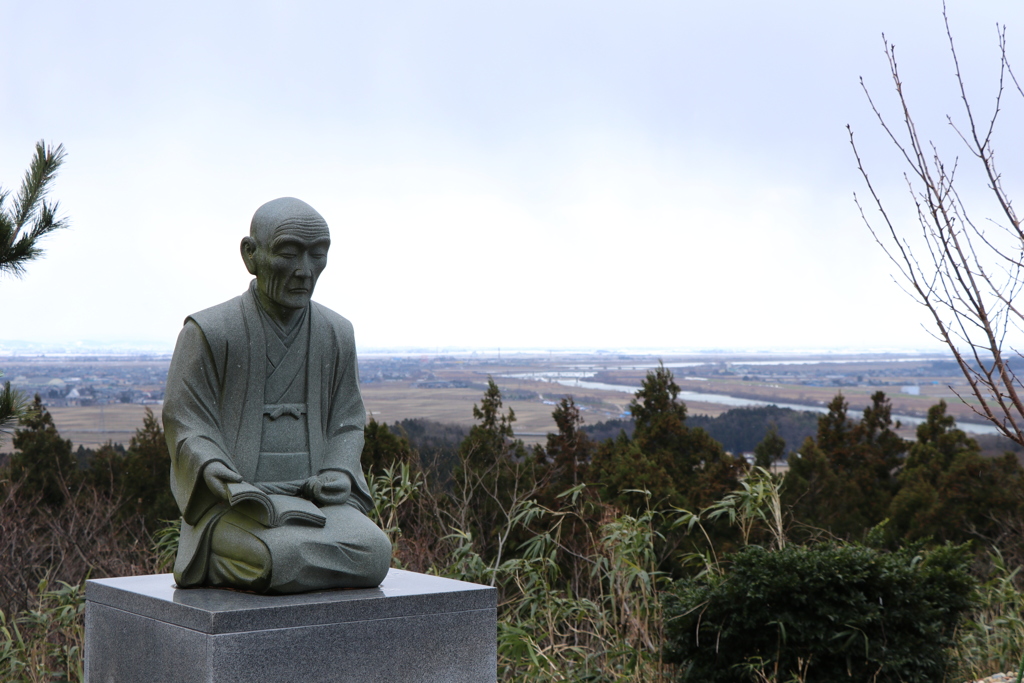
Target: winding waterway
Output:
[(579, 379)]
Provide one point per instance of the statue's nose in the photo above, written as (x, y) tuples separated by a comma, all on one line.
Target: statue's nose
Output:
[(304, 268)]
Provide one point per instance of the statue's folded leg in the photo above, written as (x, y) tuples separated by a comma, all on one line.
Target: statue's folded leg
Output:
[(238, 558), (350, 551)]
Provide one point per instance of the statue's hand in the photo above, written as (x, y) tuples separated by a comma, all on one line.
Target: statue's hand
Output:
[(217, 475), (328, 488)]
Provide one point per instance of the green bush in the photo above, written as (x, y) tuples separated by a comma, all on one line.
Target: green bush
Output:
[(821, 613)]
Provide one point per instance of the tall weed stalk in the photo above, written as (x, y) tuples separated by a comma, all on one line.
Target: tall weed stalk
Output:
[(596, 617), (992, 639), (44, 642)]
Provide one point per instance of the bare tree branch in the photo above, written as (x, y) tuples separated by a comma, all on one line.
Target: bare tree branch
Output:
[(968, 280)]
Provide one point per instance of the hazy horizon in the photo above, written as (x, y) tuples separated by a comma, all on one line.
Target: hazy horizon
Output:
[(139, 347)]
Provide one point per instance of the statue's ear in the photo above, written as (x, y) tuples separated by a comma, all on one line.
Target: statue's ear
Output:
[(248, 248)]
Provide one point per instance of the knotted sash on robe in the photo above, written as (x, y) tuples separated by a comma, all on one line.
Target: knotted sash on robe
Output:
[(214, 411)]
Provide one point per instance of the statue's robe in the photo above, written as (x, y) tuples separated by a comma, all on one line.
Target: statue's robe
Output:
[(276, 407)]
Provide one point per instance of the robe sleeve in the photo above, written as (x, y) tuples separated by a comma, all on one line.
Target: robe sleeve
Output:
[(191, 422), (346, 420)]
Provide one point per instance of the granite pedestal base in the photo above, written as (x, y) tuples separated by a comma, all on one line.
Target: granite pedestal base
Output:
[(414, 627)]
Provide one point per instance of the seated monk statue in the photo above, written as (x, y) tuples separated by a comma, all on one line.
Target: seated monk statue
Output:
[(263, 390)]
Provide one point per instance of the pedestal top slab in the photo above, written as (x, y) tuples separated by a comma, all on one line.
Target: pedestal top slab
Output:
[(216, 610)]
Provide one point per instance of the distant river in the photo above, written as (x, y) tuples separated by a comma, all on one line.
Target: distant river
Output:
[(578, 379)]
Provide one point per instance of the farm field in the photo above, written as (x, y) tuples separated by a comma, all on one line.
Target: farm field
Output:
[(445, 388), (93, 426), (390, 402), (395, 401)]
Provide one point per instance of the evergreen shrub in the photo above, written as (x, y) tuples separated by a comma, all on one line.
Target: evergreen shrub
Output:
[(829, 612)]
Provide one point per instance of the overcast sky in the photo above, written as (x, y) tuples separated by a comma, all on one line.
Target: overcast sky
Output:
[(495, 174)]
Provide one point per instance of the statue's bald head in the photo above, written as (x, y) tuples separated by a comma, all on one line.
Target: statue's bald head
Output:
[(282, 214), (286, 250)]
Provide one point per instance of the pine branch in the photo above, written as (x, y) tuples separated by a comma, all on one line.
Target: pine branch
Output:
[(30, 218), (47, 221), (36, 183), (12, 407)]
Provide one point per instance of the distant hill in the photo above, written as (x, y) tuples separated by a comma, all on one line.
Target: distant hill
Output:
[(609, 429), (739, 430)]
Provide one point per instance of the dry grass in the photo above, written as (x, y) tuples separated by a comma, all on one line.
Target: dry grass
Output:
[(82, 538)]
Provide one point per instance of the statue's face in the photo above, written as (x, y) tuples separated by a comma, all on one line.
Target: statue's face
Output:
[(288, 263)]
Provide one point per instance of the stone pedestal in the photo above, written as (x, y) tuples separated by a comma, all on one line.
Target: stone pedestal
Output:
[(413, 627)]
